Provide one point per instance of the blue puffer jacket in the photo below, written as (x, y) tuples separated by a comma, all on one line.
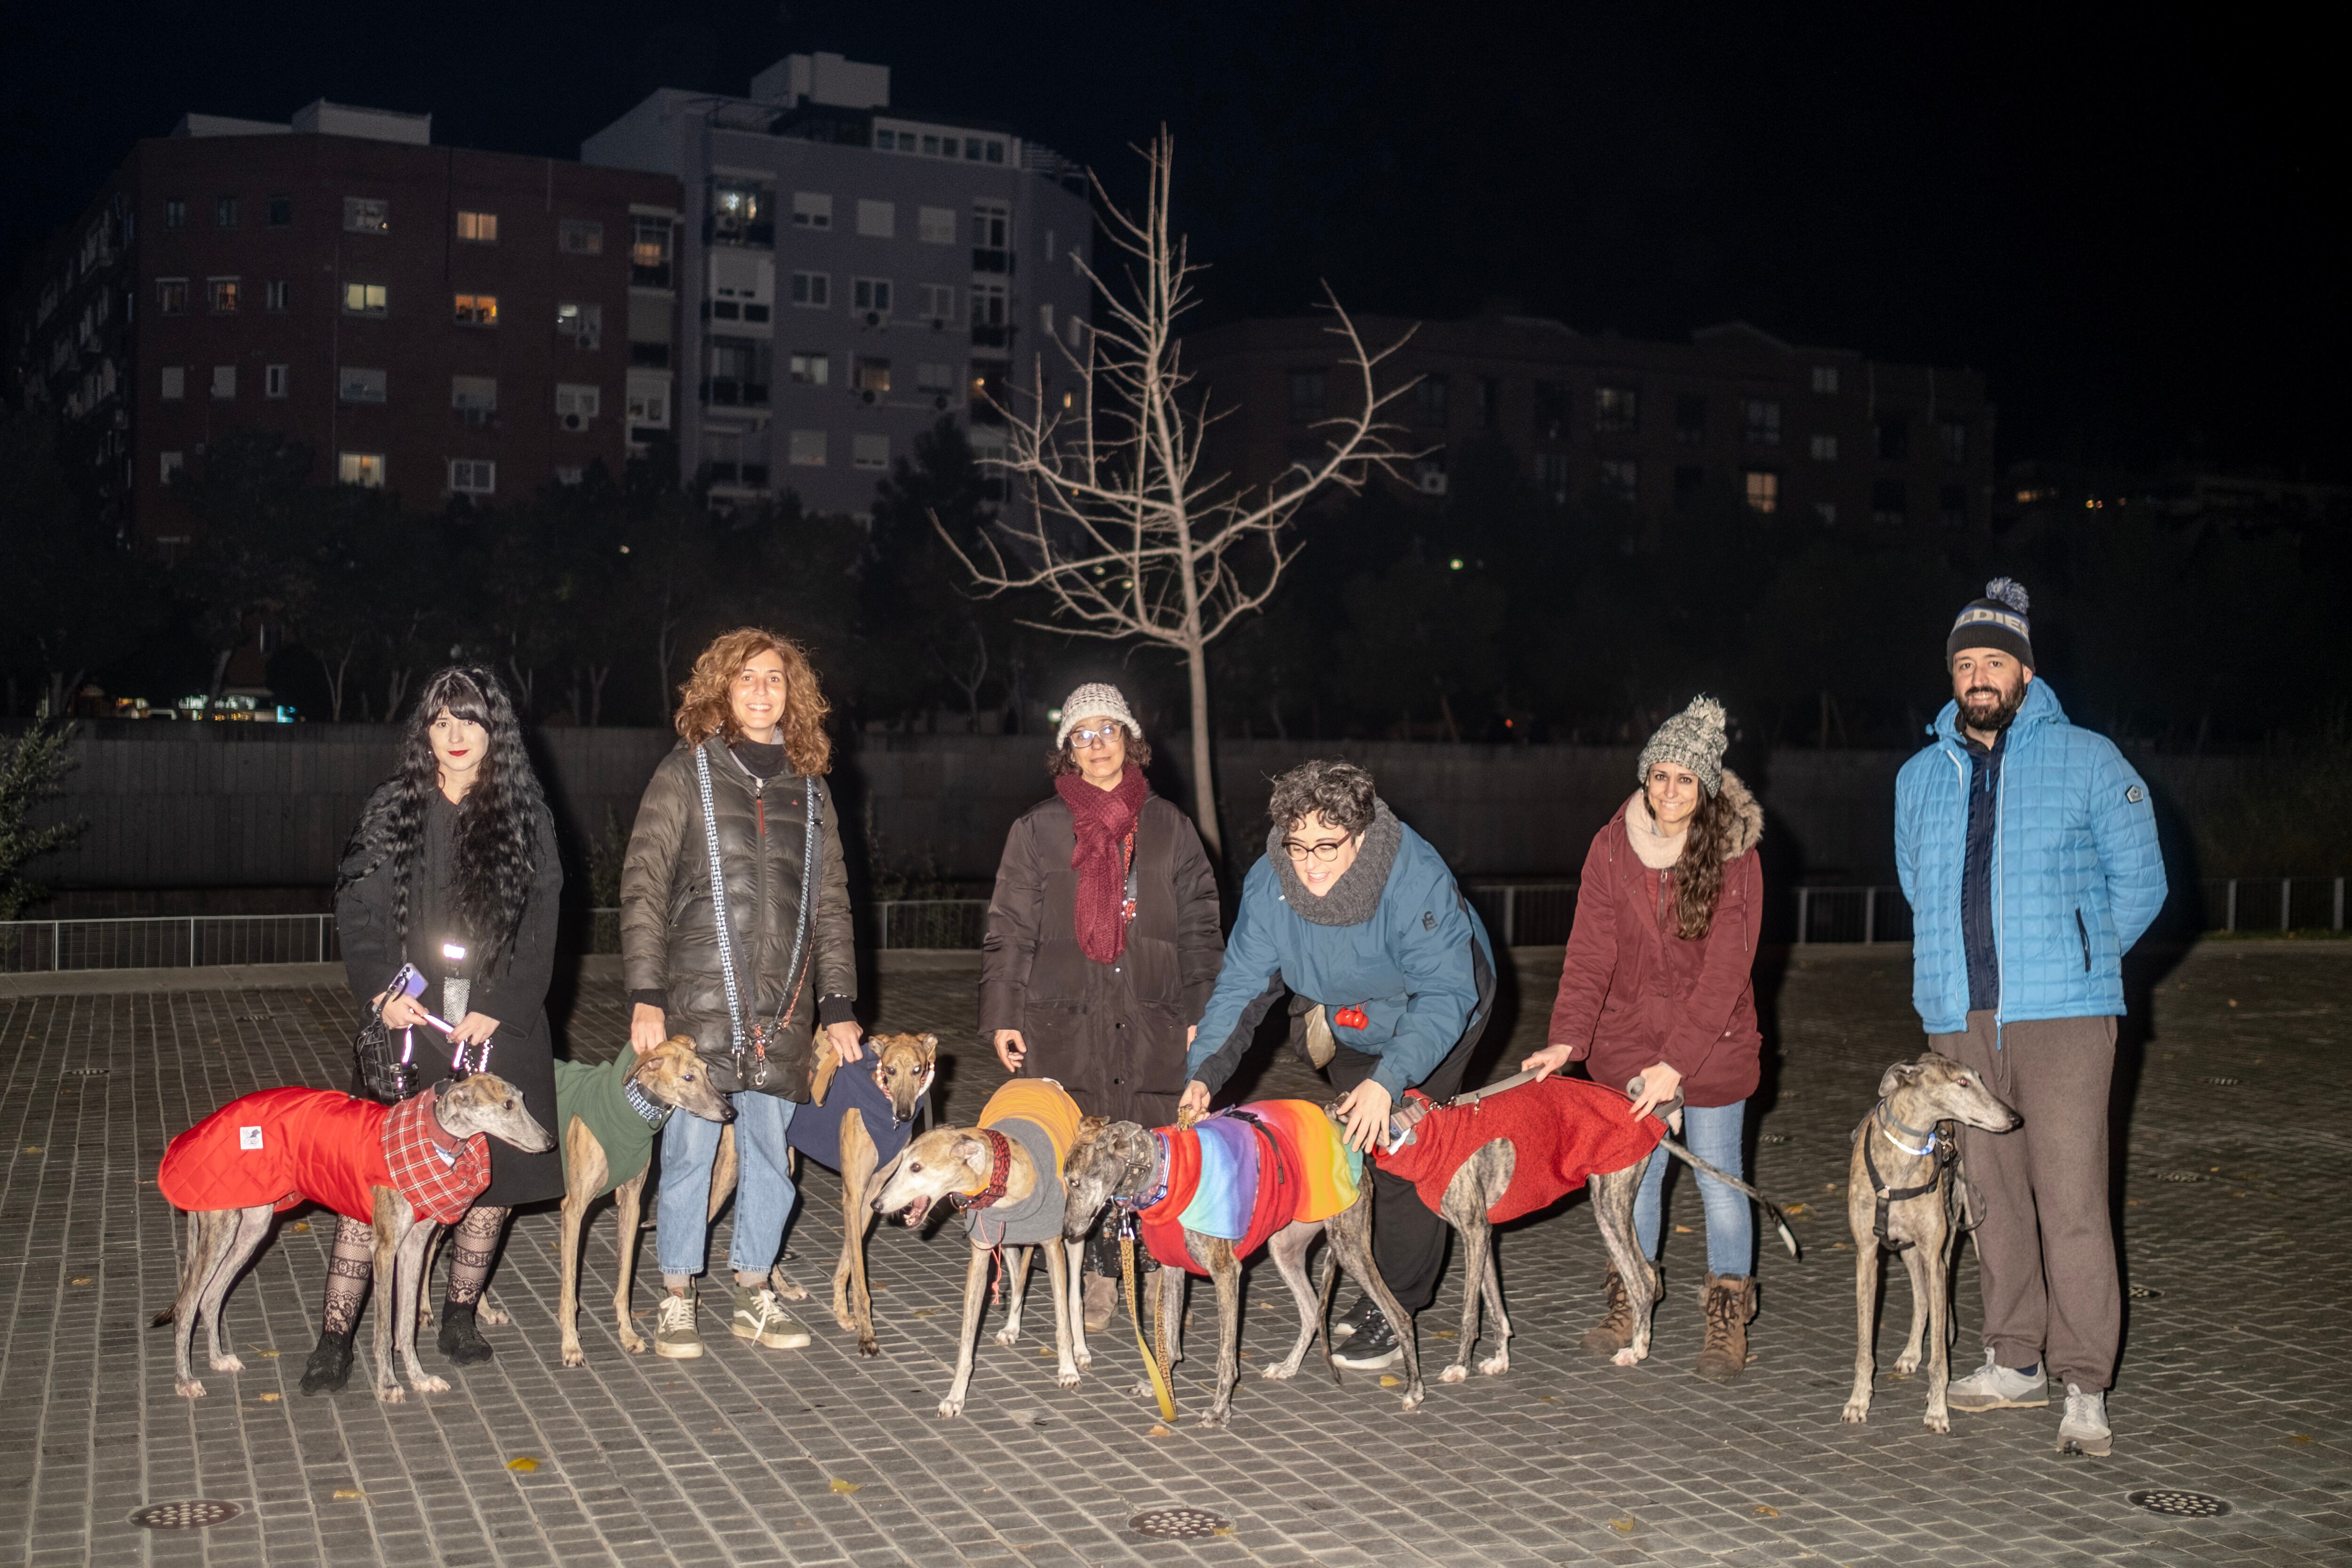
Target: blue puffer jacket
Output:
[(2076, 874)]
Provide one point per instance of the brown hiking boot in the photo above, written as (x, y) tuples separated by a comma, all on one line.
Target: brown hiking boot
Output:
[(1101, 1301), (1614, 1332), (1729, 1303)]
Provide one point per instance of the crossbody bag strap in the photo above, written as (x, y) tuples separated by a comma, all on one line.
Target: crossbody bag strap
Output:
[(800, 921), (718, 899)]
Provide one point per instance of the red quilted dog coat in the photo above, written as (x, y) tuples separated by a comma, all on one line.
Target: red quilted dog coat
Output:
[(281, 1146), (1565, 1130)]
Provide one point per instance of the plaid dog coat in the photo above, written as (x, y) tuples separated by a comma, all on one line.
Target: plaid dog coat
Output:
[(284, 1146)]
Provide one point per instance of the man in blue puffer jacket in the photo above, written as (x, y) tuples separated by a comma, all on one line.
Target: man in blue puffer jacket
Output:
[(1353, 910), (2028, 851)]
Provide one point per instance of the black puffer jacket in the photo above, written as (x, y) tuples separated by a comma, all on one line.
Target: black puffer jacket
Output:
[(669, 935)]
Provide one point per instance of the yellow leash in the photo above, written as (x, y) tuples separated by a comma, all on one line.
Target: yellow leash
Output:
[(1160, 1388)]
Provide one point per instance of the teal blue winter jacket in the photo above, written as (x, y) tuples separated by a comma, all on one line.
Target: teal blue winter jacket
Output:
[(2076, 873)]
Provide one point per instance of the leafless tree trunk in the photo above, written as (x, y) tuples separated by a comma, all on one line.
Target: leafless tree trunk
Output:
[(969, 674), (1123, 533)]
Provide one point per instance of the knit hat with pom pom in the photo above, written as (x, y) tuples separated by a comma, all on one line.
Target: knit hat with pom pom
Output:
[(1692, 739), (1996, 621)]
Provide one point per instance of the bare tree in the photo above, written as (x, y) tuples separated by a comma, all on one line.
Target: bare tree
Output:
[(1124, 535)]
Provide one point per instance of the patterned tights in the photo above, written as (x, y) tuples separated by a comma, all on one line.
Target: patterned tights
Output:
[(473, 1247)]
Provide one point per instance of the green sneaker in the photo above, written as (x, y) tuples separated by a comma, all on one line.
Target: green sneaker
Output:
[(674, 1333), (760, 1316)]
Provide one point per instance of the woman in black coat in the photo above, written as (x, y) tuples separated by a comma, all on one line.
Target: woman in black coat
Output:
[(453, 868)]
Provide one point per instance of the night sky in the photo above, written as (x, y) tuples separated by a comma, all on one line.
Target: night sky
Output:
[(2132, 226)]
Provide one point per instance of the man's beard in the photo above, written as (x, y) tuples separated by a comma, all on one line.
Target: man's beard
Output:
[(2003, 711)]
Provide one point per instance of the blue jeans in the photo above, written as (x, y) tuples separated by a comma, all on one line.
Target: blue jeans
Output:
[(763, 1188), (1711, 1132)]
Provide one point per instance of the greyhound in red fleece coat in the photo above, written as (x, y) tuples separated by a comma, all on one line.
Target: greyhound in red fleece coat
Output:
[(407, 1169), (1493, 1154)]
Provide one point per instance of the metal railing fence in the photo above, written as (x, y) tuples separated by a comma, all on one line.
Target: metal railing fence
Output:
[(166, 942)]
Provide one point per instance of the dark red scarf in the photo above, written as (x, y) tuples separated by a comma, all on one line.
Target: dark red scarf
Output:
[(1105, 820)]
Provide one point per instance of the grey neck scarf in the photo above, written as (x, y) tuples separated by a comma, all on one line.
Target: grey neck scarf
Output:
[(1354, 897)]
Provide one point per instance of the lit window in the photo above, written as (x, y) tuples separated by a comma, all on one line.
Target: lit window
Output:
[(1616, 408), (473, 476), (649, 242), (273, 295), (869, 452), (355, 385), (170, 296), (1621, 478), (873, 377), (176, 382), (366, 214), (583, 324), (1762, 490), (482, 228), (812, 288), (812, 370), (175, 213), (478, 310), (741, 212), (935, 226), (175, 465), (1825, 378), (805, 449), (1763, 422), (580, 237), (1826, 449), (363, 469), (812, 209), (575, 405), (224, 211), (871, 295), (273, 381), (363, 298), (939, 302), (224, 382), (221, 294)]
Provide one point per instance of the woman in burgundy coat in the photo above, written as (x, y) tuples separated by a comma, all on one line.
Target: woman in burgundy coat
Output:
[(1656, 986)]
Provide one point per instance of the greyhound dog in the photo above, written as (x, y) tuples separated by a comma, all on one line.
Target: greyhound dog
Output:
[(1119, 1162), (222, 1241), (979, 1169), (848, 1138), (1901, 1193), (1493, 1171), (668, 1078)]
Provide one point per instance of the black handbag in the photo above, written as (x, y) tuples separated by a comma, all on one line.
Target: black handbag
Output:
[(378, 1073)]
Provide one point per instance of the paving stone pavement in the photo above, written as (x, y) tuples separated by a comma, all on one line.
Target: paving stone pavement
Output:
[(2233, 1379)]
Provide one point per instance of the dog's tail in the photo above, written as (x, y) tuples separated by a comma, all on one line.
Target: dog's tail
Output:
[(1780, 1220)]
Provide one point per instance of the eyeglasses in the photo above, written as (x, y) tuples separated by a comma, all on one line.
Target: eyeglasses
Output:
[(1087, 740), (1323, 853)]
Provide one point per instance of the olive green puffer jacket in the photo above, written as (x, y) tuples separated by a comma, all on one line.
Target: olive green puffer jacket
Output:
[(669, 935)]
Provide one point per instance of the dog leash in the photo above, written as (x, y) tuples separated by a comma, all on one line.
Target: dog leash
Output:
[(1157, 1374), (757, 1038)]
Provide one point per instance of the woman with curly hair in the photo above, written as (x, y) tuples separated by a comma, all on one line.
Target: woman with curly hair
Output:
[(453, 868), (735, 930), (1656, 986)]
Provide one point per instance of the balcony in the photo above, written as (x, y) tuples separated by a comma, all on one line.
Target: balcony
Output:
[(727, 391), (715, 231), (649, 275), (992, 336), (987, 260)]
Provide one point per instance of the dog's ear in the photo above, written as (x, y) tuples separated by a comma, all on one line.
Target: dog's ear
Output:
[(1089, 1129), (821, 1071), (930, 1044), (971, 1151), (683, 1042), (1902, 1075)]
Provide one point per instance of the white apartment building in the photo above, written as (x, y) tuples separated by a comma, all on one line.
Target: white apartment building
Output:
[(847, 274)]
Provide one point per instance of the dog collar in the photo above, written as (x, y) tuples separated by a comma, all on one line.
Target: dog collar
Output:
[(1888, 1126), (656, 1114), (1000, 1170), (1158, 1176)]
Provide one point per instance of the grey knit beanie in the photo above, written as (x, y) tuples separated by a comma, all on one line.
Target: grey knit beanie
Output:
[(1692, 739), (1088, 701)]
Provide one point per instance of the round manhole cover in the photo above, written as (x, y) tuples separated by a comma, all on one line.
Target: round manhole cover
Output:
[(2178, 1504), (2144, 1293), (195, 1514), (88, 1072), (1180, 1524), (1773, 1137), (2223, 1080), (2182, 1176)]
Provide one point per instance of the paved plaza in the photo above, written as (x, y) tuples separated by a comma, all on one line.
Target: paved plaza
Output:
[(2234, 1380)]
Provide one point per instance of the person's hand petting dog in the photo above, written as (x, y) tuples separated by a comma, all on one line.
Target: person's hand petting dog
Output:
[(848, 1040), (1365, 1110)]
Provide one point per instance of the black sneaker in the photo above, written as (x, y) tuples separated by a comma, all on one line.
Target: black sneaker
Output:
[(1374, 1348), (330, 1367), (1363, 1313)]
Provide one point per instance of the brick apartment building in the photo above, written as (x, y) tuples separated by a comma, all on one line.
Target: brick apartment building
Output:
[(444, 322), (850, 273), (1824, 436)]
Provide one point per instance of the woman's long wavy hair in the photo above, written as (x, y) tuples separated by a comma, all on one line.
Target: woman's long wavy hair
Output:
[(704, 709), (497, 821), (1699, 874)]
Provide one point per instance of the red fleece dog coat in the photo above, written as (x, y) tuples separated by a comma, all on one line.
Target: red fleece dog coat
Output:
[(1565, 1130), (282, 1146)]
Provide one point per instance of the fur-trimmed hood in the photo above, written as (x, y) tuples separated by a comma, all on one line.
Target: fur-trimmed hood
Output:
[(1746, 816)]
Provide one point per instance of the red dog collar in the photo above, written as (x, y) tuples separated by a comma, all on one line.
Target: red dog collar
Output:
[(999, 1168)]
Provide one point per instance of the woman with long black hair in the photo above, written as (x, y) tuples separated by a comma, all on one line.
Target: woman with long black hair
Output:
[(453, 868)]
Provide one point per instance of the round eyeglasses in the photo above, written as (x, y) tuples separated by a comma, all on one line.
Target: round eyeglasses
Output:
[(1323, 854), (1087, 740)]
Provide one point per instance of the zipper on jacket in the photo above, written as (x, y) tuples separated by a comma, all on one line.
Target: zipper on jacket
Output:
[(2084, 932), (1999, 894)]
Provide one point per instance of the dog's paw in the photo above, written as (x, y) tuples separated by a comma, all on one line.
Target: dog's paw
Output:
[(634, 1342), (1084, 1359), (1007, 1337), (1937, 1421), (575, 1356), (1496, 1365), (494, 1315), (1413, 1398), (191, 1389), (1629, 1356), (1458, 1372), (391, 1393), (1281, 1371), (785, 1287), (227, 1363), (429, 1384), (1069, 1379), (1213, 1418), (868, 1345), (1142, 1390), (1856, 1412), (950, 1407), (846, 1321)]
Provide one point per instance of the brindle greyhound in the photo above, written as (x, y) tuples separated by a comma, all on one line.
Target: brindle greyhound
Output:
[(903, 1067), (221, 1242), (671, 1075), (1118, 1162), (1900, 1194), (950, 1162)]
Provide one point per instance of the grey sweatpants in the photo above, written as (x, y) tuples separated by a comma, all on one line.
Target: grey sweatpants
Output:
[(2046, 1243)]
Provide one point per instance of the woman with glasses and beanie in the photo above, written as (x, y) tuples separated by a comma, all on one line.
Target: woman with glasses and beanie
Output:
[(1656, 986), (1358, 917), (1103, 936)]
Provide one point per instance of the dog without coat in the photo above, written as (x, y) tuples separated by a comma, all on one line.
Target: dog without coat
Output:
[(406, 1169), (1900, 1150), (1006, 1176), (1123, 1163)]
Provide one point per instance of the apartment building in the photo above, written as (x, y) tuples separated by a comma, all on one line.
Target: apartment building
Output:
[(850, 273), (446, 322), (1817, 437)]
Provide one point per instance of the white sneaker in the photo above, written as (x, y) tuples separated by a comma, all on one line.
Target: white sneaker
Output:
[(1993, 1386), (2085, 1429)]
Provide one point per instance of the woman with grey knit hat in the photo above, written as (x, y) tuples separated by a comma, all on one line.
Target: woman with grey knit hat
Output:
[(1103, 939), (1656, 986)]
